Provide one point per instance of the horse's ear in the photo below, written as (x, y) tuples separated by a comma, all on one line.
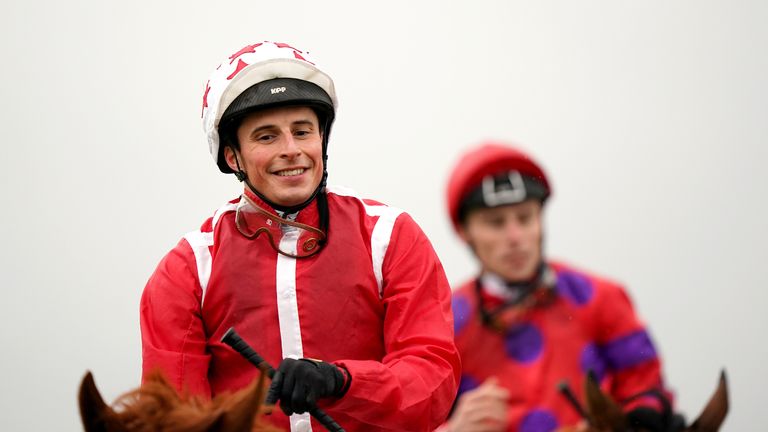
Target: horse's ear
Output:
[(604, 413), (241, 414), (713, 415), (96, 415)]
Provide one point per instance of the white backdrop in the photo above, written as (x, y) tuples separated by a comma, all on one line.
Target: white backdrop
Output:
[(649, 116)]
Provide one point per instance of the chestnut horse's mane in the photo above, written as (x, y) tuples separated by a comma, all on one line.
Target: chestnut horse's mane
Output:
[(156, 406)]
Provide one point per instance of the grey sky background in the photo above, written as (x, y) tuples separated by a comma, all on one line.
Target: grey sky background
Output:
[(650, 118)]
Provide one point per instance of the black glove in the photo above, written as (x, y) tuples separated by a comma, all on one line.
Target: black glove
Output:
[(648, 419), (298, 384)]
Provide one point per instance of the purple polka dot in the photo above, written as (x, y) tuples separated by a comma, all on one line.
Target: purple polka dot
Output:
[(538, 420), (628, 351), (592, 360), (462, 312), (574, 287), (468, 383), (524, 343)]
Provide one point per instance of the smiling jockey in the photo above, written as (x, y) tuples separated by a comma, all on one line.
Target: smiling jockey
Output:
[(526, 323), (301, 270)]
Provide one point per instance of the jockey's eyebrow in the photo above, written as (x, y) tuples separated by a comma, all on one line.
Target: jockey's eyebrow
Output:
[(301, 122), (307, 122)]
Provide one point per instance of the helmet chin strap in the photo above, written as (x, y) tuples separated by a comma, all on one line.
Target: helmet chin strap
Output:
[(542, 282), (318, 193), (534, 282)]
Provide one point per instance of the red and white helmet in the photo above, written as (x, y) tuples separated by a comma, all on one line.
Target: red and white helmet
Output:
[(485, 161), (258, 63)]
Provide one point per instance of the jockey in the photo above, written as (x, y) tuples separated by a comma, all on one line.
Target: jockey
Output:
[(527, 323), (345, 294)]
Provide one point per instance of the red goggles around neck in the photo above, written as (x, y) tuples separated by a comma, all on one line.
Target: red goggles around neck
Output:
[(287, 237)]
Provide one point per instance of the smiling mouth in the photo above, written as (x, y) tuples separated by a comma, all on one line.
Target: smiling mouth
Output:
[(290, 172)]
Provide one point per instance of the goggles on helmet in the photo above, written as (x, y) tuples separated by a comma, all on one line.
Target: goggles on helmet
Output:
[(510, 187), (289, 238)]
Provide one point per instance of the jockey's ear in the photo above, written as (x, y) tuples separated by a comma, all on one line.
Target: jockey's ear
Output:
[(714, 413), (604, 413), (96, 415)]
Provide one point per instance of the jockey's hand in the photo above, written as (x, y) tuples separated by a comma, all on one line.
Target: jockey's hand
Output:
[(298, 384), (482, 409)]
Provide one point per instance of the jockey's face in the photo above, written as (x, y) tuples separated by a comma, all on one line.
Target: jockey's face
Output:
[(506, 239), (281, 151)]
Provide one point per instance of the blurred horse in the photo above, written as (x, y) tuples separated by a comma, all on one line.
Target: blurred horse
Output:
[(156, 406), (602, 414)]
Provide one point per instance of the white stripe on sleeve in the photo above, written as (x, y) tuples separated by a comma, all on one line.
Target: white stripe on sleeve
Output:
[(200, 242), (380, 238)]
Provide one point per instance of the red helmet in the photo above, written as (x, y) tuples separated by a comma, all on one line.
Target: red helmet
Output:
[(486, 161)]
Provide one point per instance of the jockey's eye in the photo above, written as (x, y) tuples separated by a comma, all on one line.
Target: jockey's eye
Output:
[(263, 138), (496, 221), (525, 218)]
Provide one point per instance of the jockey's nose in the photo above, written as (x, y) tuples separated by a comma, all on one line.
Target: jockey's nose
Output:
[(512, 231), (290, 148)]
